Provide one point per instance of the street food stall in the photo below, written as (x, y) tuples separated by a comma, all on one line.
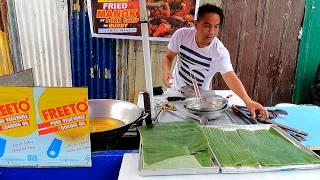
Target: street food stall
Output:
[(236, 148), (190, 133)]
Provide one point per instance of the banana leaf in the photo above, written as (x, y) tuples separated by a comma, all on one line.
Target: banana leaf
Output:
[(166, 143), (255, 148)]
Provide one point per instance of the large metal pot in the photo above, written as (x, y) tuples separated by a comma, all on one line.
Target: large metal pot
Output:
[(126, 112)]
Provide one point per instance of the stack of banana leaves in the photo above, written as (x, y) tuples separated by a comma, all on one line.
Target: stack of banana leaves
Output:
[(174, 145), (263, 147), (186, 145)]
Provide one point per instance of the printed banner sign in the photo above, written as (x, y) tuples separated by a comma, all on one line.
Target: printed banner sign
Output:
[(120, 19)]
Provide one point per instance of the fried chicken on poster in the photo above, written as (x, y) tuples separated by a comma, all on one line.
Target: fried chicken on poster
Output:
[(166, 16)]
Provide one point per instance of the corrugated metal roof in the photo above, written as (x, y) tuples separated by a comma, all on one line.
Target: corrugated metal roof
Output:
[(14, 40), (44, 38), (93, 59)]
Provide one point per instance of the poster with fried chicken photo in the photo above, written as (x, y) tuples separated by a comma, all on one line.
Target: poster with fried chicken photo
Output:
[(120, 19)]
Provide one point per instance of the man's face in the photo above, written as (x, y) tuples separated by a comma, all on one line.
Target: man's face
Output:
[(208, 27)]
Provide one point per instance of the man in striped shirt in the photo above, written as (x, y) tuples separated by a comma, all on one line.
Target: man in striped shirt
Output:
[(200, 54)]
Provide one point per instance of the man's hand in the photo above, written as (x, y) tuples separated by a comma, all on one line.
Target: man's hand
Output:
[(256, 109), (166, 79), (166, 67), (236, 86)]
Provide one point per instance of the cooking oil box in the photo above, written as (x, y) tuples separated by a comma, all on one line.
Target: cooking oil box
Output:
[(44, 127)]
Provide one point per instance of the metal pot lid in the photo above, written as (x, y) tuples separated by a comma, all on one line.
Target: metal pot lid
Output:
[(211, 103)]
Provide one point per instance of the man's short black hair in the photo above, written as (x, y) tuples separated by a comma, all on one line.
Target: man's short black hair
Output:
[(210, 8)]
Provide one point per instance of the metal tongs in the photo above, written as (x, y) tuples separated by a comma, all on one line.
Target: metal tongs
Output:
[(203, 120), (244, 114)]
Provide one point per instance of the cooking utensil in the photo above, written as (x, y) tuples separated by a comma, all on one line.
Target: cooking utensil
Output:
[(210, 115), (272, 113), (203, 120), (212, 103), (195, 87), (287, 128), (277, 112), (176, 98), (298, 137), (129, 113), (213, 107), (244, 114)]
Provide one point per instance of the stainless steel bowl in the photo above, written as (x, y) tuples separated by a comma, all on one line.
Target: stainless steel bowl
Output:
[(207, 104), (210, 115)]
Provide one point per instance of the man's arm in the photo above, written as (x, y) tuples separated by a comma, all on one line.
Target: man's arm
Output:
[(166, 67), (237, 87)]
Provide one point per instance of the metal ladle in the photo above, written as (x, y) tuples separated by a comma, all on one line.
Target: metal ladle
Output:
[(203, 120)]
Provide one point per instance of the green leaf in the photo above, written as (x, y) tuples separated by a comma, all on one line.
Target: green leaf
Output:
[(166, 142), (253, 148)]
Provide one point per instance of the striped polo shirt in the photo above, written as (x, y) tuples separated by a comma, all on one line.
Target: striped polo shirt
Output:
[(194, 63)]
